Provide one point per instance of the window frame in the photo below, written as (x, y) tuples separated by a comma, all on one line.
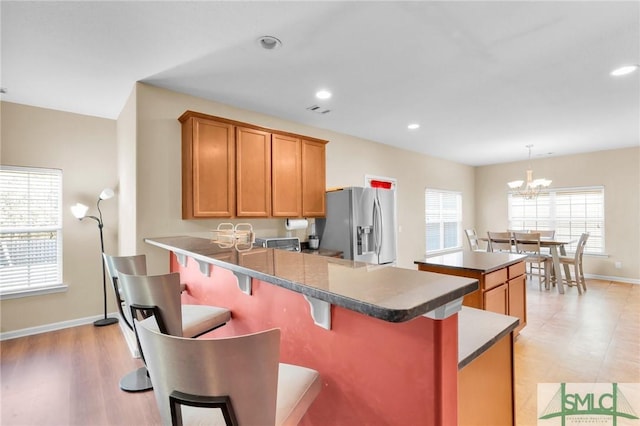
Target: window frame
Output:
[(442, 220), (11, 227), (593, 220)]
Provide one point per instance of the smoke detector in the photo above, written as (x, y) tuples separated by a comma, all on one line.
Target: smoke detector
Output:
[(269, 42)]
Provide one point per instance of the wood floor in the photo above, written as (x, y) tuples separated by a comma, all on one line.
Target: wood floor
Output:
[(70, 377)]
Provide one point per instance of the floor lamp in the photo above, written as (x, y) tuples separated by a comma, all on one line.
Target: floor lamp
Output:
[(80, 212)]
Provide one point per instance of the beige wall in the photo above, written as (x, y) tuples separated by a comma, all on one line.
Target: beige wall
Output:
[(83, 147), (619, 172), (348, 160)]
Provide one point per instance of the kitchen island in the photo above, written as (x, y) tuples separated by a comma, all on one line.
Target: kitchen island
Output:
[(384, 339), (501, 276)]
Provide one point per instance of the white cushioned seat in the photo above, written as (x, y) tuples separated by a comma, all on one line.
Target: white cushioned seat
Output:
[(240, 374), (198, 319)]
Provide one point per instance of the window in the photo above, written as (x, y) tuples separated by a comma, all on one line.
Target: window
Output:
[(570, 211), (30, 229), (443, 218)]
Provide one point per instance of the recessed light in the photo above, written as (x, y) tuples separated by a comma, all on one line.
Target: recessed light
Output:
[(627, 69), (323, 94), (269, 43), (413, 126)]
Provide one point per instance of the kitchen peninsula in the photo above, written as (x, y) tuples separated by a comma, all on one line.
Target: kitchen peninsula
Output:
[(384, 339), (486, 385)]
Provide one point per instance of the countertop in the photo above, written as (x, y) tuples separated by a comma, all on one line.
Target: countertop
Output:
[(322, 252), (385, 292), (484, 262), (478, 330)]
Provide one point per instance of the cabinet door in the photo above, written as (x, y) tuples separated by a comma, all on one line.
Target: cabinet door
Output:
[(485, 387), (253, 173), (496, 300), (518, 300), (313, 179), (286, 176), (208, 173)]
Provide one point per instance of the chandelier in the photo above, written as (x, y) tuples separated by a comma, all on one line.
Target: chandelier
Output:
[(530, 188)]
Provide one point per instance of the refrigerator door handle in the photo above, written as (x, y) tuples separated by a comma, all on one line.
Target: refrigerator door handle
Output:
[(377, 226)]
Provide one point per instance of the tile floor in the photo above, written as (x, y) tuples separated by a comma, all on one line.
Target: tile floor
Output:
[(576, 339)]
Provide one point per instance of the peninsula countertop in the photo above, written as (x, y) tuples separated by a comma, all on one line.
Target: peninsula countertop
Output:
[(484, 262), (385, 292), (478, 330)]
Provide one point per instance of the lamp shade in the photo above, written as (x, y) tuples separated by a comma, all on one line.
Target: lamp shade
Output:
[(106, 194), (79, 210)]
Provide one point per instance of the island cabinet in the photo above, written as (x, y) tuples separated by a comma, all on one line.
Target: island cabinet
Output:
[(501, 278), (233, 169)]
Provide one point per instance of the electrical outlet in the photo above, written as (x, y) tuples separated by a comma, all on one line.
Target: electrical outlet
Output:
[(618, 265)]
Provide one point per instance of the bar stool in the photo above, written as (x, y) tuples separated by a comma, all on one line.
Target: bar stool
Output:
[(234, 381), (196, 319), (159, 295), (137, 380)]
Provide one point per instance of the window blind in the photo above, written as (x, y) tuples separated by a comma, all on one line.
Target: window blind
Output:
[(570, 211), (30, 228), (443, 219)]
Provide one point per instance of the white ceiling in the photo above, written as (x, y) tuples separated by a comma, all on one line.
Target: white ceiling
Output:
[(484, 79)]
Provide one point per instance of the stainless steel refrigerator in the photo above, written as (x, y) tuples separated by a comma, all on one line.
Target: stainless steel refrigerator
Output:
[(360, 222)]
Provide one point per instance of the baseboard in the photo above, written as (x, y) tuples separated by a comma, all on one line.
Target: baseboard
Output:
[(52, 327), (616, 279)]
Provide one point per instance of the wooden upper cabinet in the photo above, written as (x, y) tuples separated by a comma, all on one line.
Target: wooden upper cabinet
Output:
[(286, 176), (313, 178), (253, 172), (208, 168), (234, 169)]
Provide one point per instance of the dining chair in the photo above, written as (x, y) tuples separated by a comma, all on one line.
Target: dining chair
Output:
[(539, 264), (233, 380), (546, 233), (500, 241), (472, 239), (576, 262)]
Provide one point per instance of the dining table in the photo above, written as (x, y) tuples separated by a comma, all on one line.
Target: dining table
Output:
[(556, 248)]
